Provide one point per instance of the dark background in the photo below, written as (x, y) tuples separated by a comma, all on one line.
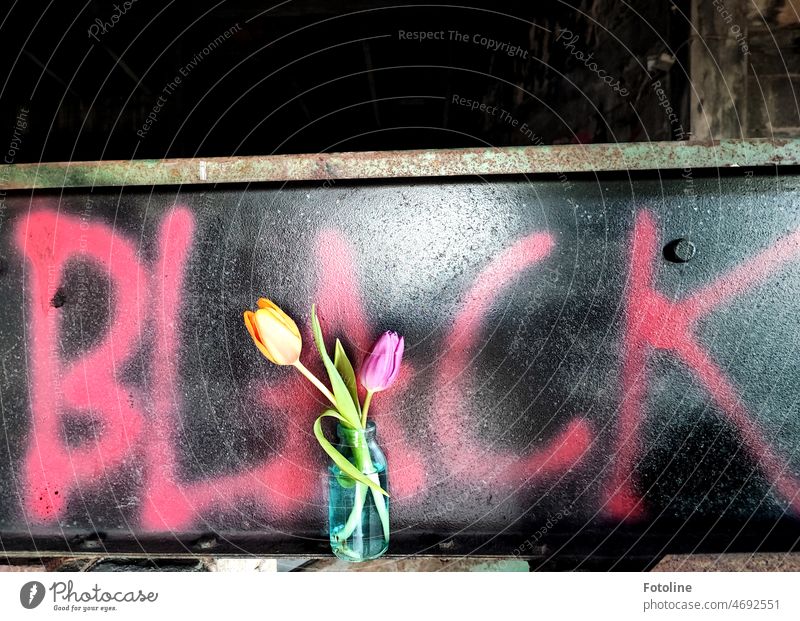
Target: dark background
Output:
[(312, 76)]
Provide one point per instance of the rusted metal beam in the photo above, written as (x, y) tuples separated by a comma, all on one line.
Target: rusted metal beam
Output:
[(408, 164)]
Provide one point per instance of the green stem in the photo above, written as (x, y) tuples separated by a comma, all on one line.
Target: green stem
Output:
[(367, 401), (313, 379), (354, 518), (363, 461), (380, 504)]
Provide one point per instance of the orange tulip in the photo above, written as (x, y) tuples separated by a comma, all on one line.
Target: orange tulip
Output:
[(274, 333)]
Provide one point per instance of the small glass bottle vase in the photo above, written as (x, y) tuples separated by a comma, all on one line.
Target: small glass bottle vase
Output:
[(358, 515)]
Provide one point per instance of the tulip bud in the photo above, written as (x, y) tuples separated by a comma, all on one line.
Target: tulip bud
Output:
[(382, 365), (274, 333)]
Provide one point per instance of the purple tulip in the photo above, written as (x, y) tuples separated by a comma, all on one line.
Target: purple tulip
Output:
[(382, 365)]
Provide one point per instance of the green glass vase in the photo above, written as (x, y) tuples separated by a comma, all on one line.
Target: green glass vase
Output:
[(358, 516)]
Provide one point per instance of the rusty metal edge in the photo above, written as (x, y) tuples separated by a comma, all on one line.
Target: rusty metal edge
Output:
[(404, 164)]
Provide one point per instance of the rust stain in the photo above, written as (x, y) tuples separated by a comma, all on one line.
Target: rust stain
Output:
[(408, 164)]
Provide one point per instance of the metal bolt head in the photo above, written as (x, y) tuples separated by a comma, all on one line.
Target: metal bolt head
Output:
[(680, 250)]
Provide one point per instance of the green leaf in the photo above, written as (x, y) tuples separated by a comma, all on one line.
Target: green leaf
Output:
[(342, 364), (345, 481), (339, 459), (344, 402)]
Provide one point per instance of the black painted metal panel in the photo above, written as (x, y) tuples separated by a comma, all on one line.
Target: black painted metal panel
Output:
[(570, 387)]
